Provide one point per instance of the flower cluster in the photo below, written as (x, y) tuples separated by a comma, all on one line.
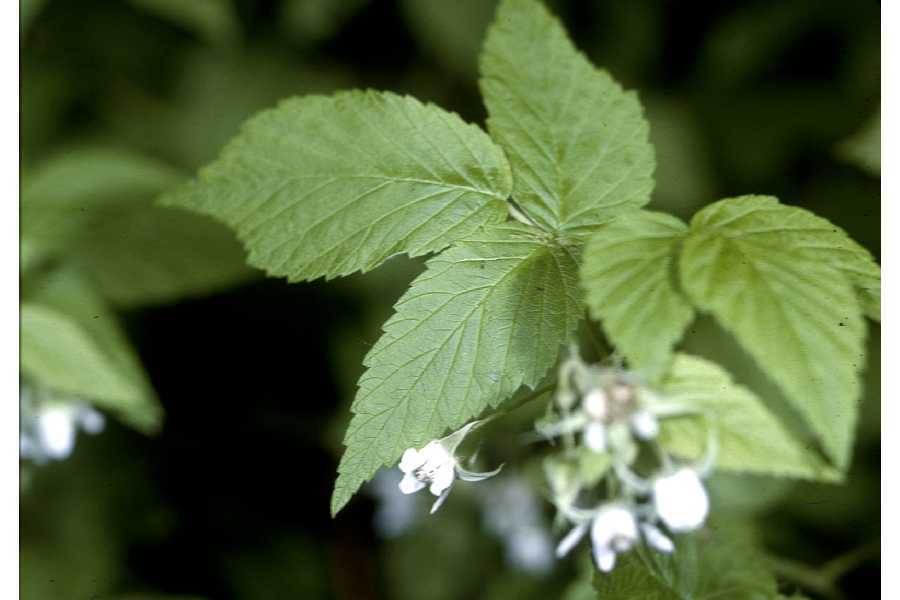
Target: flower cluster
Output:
[(607, 417), (608, 421)]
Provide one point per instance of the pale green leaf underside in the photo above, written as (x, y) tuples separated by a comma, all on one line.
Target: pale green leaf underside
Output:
[(720, 563), (486, 317), (578, 144), (325, 186), (820, 241), (92, 207), (750, 438), (627, 273), (794, 312), (71, 343)]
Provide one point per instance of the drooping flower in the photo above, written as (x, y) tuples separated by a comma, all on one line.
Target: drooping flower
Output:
[(435, 466), (680, 500), (613, 528)]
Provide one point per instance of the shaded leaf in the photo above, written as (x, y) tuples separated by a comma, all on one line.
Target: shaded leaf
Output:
[(750, 439), (72, 343), (746, 261)]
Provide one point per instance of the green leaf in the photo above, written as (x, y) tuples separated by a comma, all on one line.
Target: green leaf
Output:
[(214, 20), (778, 287), (486, 317), (721, 562), (627, 272), (578, 144), (325, 186), (92, 207), (71, 343), (750, 438)]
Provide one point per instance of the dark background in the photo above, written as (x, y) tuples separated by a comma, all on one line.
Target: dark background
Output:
[(231, 499)]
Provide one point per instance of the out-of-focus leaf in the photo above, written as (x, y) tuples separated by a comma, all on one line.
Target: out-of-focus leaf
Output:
[(487, 316), (758, 268), (578, 144), (326, 186), (743, 494), (749, 438), (628, 274), (28, 10), (72, 343), (213, 20), (312, 21), (93, 208), (211, 99), (864, 148), (452, 31)]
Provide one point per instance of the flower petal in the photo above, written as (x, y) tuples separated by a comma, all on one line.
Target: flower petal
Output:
[(681, 500), (434, 453), (595, 437), (657, 539), (437, 503), (644, 425), (571, 539), (604, 558), (57, 432), (443, 479), (411, 460), (595, 404), (410, 485)]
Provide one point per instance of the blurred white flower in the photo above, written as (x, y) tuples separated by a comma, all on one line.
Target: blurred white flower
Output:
[(511, 510), (49, 428), (656, 538), (644, 424), (436, 466), (614, 529), (396, 512), (680, 500)]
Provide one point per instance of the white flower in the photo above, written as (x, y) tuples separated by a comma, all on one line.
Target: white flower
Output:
[(435, 466), (680, 500), (595, 404), (595, 436), (50, 428), (644, 424), (614, 529)]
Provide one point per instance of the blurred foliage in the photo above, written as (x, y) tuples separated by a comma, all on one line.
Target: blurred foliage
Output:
[(120, 100)]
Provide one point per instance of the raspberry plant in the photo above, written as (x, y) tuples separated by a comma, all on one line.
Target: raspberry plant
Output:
[(531, 227)]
